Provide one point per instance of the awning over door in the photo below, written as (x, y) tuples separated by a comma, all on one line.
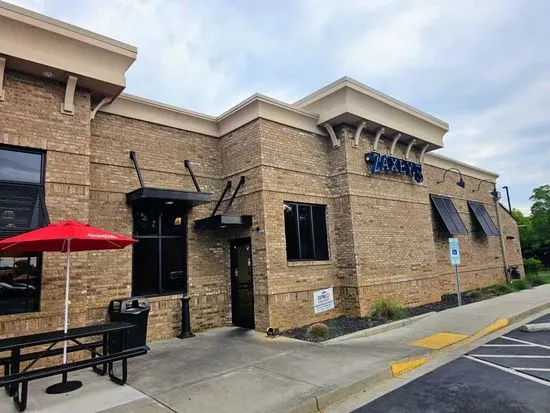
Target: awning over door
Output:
[(224, 221), (483, 218), (168, 195), (448, 214)]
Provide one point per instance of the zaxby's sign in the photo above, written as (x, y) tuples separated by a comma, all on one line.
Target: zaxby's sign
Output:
[(385, 163)]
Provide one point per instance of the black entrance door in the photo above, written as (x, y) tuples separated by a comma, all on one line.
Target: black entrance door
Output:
[(242, 296)]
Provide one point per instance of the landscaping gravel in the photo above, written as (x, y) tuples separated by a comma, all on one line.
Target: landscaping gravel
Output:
[(342, 325)]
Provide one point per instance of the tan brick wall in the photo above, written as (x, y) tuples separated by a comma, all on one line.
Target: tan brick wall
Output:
[(384, 236), (384, 239), (30, 117)]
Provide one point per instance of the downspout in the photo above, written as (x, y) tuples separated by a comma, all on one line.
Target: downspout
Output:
[(496, 197)]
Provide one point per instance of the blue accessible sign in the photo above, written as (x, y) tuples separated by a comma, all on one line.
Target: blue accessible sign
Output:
[(454, 251)]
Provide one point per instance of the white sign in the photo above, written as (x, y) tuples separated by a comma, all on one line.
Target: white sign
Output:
[(454, 251), (323, 300)]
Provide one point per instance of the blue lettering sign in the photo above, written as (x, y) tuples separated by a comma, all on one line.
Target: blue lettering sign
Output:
[(385, 163)]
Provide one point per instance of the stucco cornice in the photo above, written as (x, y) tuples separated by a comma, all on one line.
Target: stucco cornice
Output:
[(35, 44)]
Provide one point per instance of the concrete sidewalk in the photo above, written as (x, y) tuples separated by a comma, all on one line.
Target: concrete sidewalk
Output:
[(235, 370)]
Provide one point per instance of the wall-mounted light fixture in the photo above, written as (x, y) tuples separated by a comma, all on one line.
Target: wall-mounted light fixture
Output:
[(494, 193), (460, 182)]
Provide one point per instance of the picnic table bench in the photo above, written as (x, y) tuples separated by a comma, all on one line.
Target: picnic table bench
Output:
[(104, 352)]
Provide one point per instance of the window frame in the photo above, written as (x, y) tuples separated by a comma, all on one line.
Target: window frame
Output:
[(40, 185), (40, 152), (312, 231), (159, 237)]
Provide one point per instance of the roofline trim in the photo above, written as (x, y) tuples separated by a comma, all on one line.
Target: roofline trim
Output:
[(444, 162), (362, 88), (58, 24)]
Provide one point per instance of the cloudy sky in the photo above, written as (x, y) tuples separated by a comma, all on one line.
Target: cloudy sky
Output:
[(481, 65)]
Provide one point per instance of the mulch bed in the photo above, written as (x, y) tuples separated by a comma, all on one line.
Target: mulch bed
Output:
[(342, 325)]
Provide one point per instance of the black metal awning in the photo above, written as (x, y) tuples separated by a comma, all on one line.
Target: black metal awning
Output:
[(167, 195), (483, 218), (449, 215), (224, 221)]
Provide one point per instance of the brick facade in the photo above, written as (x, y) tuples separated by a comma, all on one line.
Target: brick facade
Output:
[(384, 237)]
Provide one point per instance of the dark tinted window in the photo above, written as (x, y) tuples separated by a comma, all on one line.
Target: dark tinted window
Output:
[(173, 261), (19, 284), (22, 209), (305, 232), (159, 257), (145, 266), (320, 232), (17, 166), (291, 232)]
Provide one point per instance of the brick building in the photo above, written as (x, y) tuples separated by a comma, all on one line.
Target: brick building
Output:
[(342, 189)]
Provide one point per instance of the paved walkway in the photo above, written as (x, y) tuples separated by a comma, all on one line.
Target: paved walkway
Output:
[(235, 370)]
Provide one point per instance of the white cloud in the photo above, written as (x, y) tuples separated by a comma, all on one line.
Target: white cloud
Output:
[(478, 64)]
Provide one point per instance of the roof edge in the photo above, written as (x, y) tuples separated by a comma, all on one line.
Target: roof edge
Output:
[(66, 26), (444, 162), (362, 88)]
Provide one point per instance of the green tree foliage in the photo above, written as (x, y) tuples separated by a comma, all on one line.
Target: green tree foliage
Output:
[(534, 230), (540, 215), (526, 234)]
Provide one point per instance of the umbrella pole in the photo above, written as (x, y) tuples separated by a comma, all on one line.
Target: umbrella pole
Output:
[(66, 322), (65, 386)]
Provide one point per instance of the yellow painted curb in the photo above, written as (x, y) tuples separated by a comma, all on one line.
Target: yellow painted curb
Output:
[(497, 325), (439, 340), (400, 367), (405, 365)]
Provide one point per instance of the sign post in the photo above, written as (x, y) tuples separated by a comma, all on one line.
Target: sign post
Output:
[(454, 253)]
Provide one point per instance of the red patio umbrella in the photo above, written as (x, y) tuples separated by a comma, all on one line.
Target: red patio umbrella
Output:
[(65, 236)]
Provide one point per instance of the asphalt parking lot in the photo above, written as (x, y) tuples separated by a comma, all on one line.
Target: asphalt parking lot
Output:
[(508, 374)]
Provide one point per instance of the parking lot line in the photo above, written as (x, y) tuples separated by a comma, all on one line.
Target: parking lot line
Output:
[(525, 342), (529, 369), (509, 356), (507, 345), (506, 369)]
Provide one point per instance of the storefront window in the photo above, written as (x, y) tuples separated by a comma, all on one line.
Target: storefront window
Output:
[(306, 232), (159, 257), (22, 209), (19, 284)]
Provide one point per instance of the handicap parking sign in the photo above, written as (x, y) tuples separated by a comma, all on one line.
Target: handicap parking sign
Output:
[(454, 251)]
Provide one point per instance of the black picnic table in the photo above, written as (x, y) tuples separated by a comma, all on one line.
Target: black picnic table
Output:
[(104, 352)]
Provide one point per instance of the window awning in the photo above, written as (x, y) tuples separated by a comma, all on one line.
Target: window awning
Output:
[(449, 215), (224, 221), (167, 195), (22, 209), (483, 218)]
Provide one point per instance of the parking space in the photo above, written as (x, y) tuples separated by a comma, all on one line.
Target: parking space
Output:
[(508, 374), (524, 354)]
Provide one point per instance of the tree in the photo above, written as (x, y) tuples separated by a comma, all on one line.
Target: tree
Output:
[(540, 222), (526, 234)]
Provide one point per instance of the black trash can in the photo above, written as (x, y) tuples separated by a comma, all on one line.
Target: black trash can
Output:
[(133, 310)]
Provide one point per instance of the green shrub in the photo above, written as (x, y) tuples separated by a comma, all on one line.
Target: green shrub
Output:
[(537, 279), (532, 266), (522, 284), (502, 289), (317, 331), (387, 308)]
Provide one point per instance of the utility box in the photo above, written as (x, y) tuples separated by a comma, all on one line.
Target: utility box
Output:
[(133, 310)]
